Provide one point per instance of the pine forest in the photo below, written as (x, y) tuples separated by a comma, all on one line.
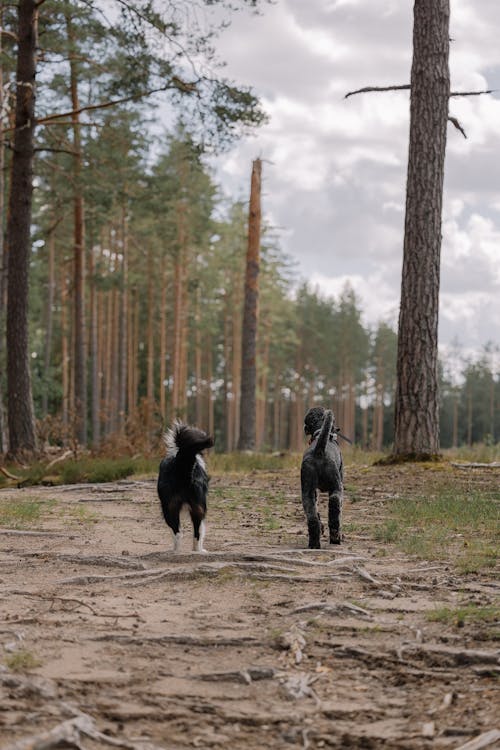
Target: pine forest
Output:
[(137, 259)]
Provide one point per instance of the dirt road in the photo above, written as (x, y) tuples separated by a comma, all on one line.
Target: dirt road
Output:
[(111, 639)]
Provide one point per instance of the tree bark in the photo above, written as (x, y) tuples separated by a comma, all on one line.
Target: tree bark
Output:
[(123, 374), (250, 315), (95, 408), (51, 286), (21, 419), (79, 358), (3, 256), (416, 413)]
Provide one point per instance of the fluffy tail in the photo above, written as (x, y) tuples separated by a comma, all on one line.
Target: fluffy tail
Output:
[(186, 441), (323, 437)]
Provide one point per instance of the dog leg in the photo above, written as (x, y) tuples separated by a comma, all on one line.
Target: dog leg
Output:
[(335, 517), (177, 540), (171, 514), (199, 530), (313, 522)]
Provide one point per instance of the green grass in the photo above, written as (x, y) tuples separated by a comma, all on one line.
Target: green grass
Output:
[(462, 526), (22, 661), (22, 514), (468, 613), (96, 470), (479, 452), (243, 463)]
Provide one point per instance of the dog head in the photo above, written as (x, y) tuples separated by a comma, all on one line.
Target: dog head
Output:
[(313, 420)]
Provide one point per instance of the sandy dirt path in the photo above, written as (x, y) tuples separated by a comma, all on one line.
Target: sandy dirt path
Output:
[(258, 644)]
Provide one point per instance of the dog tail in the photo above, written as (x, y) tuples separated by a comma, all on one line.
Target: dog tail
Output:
[(186, 441), (324, 435)]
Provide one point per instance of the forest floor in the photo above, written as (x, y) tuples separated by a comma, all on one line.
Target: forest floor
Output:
[(109, 639)]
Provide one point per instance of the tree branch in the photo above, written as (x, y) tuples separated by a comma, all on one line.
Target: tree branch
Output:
[(456, 123), (473, 93), (101, 105), (367, 89), (174, 83), (407, 87)]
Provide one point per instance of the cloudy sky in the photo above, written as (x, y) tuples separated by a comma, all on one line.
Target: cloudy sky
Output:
[(336, 178)]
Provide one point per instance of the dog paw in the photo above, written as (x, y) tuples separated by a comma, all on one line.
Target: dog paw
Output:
[(336, 538)]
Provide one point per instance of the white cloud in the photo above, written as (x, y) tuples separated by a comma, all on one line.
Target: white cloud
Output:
[(337, 179)]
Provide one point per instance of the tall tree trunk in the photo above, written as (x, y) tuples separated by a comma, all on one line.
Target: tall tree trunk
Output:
[(417, 407), (163, 341), (51, 286), (65, 349), (150, 382), (3, 257), (122, 357), (236, 363), (454, 438), (22, 436), (210, 400), (132, 356), (79, 359), (179, 311), (250, 314), (262, 391), (94, 356)]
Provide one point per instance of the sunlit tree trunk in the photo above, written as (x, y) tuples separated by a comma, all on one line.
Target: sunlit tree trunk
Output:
[(122, 357), (417, 406), (236, 363), (250, 314)]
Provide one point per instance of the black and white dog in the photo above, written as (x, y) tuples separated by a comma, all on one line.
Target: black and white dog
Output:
[(183, 481), (322, 470)]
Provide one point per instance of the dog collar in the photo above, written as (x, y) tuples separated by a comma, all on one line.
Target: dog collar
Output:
[(334, 435)]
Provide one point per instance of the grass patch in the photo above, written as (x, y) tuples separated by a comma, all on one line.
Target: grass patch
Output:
[(80, 514), (469, 613), (243, 463), (463, 526), (96, 470), (22, 514), (22, 661)]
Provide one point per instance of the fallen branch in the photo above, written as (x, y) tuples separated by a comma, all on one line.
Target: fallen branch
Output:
[(335, 609), (8, 474), (181, 640), (458, 656), (16, 532), (483, 740), (246, 676), (365, 576), (58, 459), (69, 733), (476, 465)]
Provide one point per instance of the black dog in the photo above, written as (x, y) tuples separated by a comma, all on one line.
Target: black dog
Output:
[(322, 470), (183, 480)]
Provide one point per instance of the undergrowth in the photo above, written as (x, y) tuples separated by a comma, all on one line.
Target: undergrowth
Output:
[(21, 514), (457, 524), (467, 613)]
